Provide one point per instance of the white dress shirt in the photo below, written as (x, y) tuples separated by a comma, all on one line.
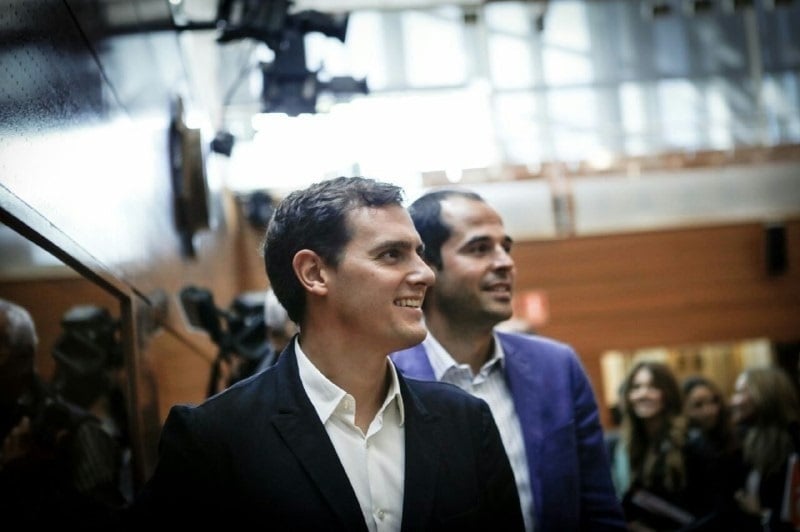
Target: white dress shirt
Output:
[(490, 385), (375, 461)]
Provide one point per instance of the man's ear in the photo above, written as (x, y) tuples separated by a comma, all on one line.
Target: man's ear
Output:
[(310, 271)]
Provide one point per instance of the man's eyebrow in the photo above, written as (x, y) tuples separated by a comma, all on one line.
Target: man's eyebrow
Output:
[(476, 240), (393, 244), (480, 239)]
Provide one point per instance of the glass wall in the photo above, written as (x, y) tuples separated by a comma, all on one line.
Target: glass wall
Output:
[(526, 83)]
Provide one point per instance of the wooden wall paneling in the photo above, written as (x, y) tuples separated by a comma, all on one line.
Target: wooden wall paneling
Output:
[(662, 288)]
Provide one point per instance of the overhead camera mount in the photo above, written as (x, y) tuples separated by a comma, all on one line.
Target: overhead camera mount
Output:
[(288, 85)]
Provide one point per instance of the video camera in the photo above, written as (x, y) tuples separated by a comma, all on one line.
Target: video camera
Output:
[(86, 353), (239, 331), (288, 85), (88, 343)]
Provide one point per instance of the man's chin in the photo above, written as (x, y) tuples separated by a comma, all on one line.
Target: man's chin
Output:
[(501, 314), (413, 338)]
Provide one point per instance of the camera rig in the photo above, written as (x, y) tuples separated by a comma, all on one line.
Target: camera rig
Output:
[(288, 85), (239, 331), (87, 353)]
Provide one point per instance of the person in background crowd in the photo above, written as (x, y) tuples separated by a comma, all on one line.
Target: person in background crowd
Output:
[(89, 373), (539, 393), (332, 437), (767, 416), (50, 470), (669, 484), (708, 417)]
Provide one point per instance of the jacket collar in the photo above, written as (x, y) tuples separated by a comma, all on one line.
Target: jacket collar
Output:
[(300, 426)]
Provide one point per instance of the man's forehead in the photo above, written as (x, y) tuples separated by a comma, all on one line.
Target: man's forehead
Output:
[(390, 222), (469, 218), (468, 211), (364, 217)]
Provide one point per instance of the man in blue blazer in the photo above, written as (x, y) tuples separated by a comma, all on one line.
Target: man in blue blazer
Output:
[(538, 391), (332, 437)]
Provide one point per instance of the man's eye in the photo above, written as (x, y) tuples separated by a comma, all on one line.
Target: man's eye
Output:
[(480, 249)]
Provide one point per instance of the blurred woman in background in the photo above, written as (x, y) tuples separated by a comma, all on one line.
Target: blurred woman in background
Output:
[(667, 485), (708, 416), (767, 416)]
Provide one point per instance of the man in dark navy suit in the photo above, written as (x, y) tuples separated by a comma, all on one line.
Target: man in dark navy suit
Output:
[(332, 437)]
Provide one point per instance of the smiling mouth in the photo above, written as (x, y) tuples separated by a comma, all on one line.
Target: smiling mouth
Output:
[(500, 288), (409, 302), (499, 293)]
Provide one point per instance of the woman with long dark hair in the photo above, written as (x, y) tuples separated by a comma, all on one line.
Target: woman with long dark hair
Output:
[(708, 416), (667, 487)]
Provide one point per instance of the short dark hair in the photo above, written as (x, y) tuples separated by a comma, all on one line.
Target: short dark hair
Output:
[(426, 212), (315, 218)]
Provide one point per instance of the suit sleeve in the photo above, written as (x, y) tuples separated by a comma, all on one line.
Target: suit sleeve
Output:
[(600, 507), (186, 475)]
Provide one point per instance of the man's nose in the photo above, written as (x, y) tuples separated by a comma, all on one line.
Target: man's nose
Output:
[(424, 272), (502, 258)]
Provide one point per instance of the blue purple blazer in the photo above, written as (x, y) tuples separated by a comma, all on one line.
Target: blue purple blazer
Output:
[(569, 469)]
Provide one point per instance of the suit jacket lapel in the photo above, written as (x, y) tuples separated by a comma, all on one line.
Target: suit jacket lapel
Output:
[(422, 461), (525, 385), (305, 435)]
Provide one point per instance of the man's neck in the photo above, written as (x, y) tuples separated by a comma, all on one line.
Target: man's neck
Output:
[(359, 372), (467, 345)]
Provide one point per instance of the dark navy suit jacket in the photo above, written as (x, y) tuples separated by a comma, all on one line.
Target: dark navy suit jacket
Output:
[(258, 453), (568, 465)]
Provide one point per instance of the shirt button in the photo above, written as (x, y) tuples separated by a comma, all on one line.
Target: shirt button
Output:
[(381, 514)]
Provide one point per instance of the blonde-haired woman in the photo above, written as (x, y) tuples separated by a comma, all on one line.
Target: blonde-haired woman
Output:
[(767, 413)]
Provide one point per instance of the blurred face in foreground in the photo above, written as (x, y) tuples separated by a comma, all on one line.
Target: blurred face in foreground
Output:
[(375, 294), (476, 281)]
